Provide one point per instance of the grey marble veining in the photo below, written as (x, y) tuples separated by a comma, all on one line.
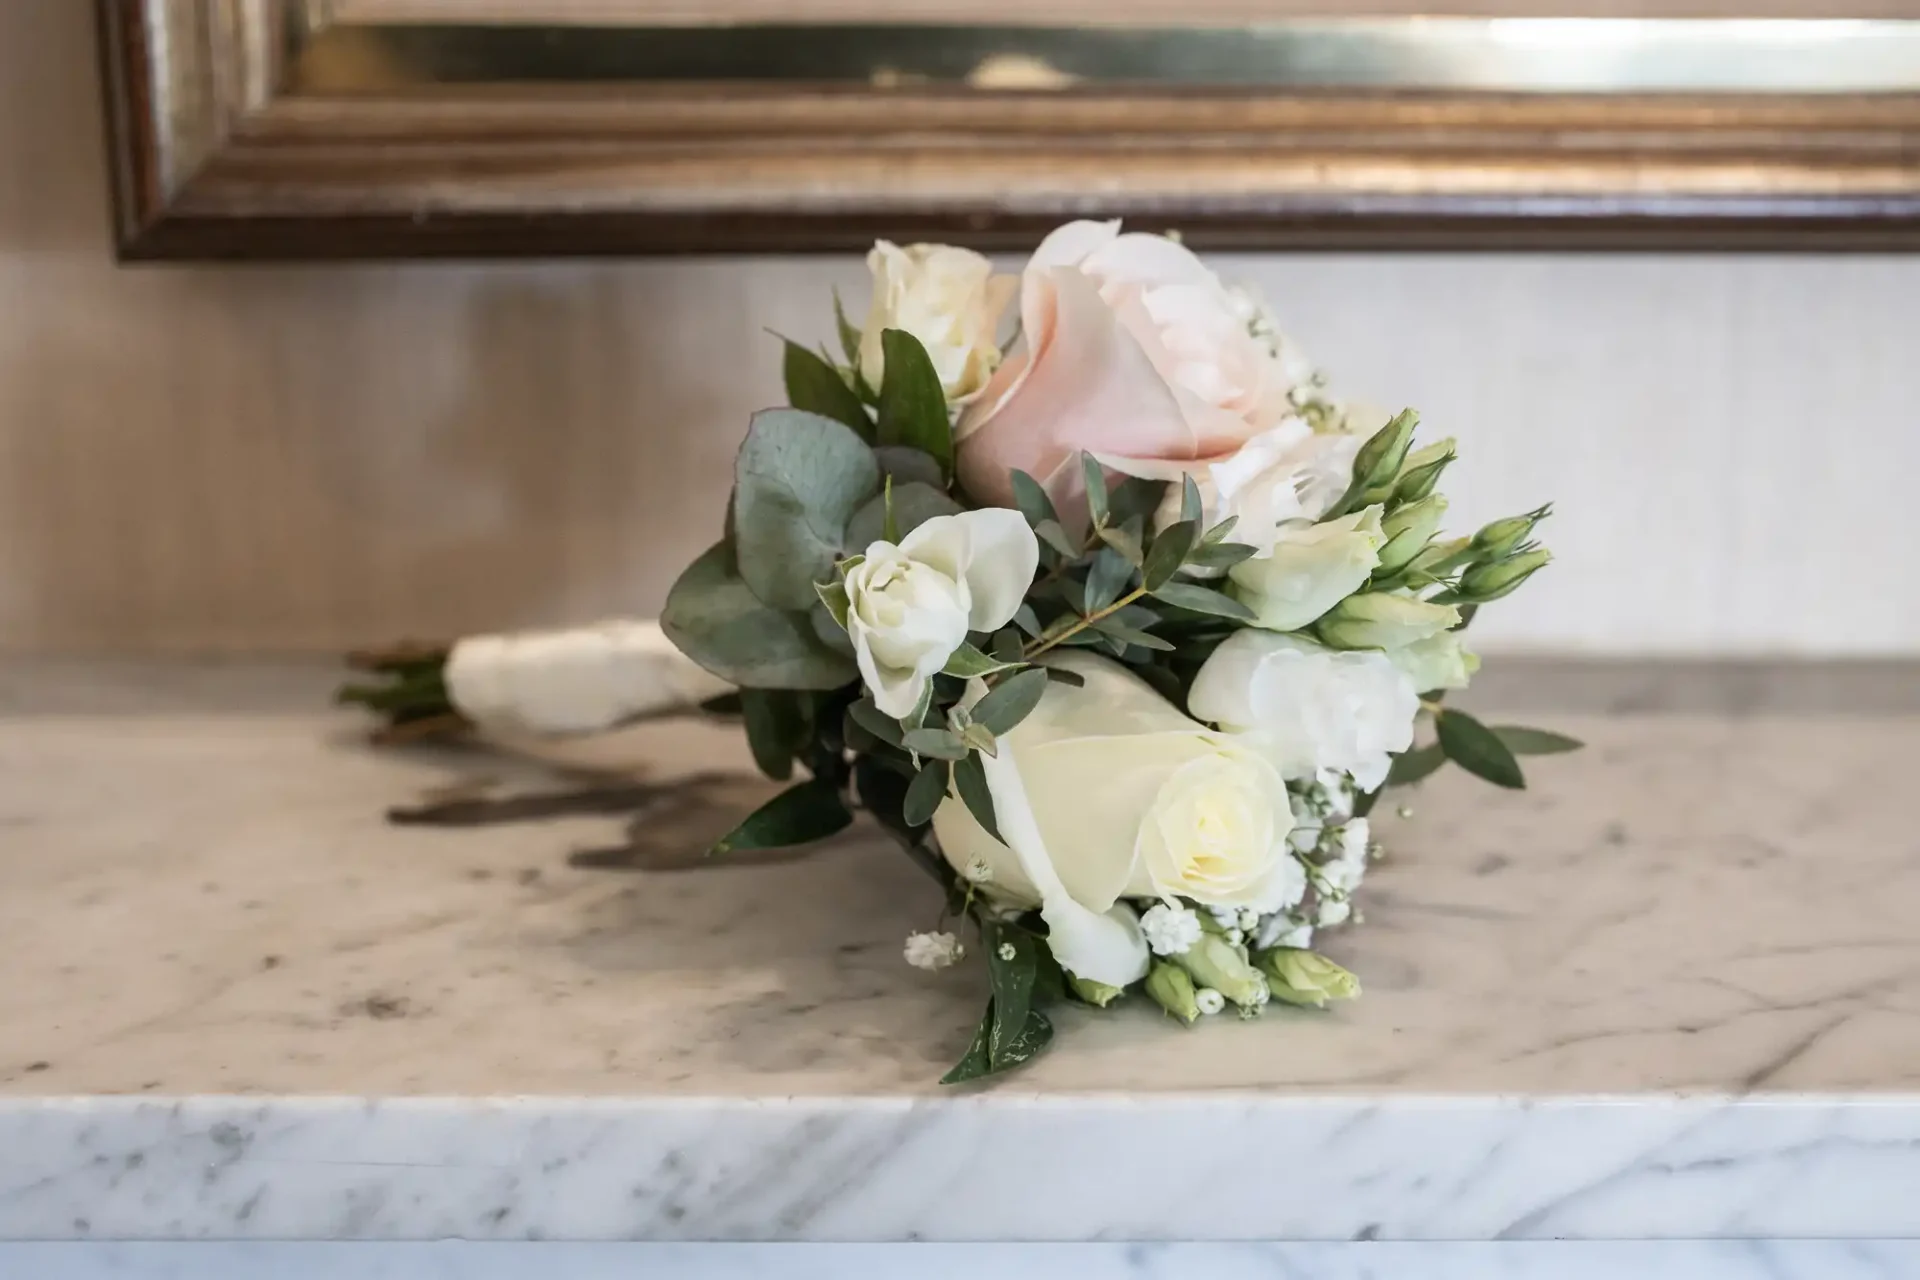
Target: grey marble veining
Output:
[(1671, 991)]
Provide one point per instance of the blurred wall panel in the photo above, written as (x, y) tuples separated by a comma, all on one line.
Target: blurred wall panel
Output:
[(232, 459)]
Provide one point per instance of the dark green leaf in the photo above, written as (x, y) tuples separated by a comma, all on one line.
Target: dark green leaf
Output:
[(799, 815), (941, 744), (1010, 701), (913, 505), (1096, 477), (970, 776), (1049, 979), (1411, 766), (968, 662), (1125, 539), (1134, 496), (817, 387), (1167, 554), (849, 336), (1221, 555), (778, 725), (1128, 635), (1364, 802), (1220, 531), (723, 704), (1190, 507), (713, 618), (924, 793), (798, 480), (1071, 679), (1476, 748), (976, 1062), (1165, 683), (1074, 592), (1054, 536), (905, 464), (1032, 500), (1026, 619), (1108, 573), (978, 738), (1202, 600), (1007, 645), (1523, 741), (876, 722), (1010, 968), (913, 408)]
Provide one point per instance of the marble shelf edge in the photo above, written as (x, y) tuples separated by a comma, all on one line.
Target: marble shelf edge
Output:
[(999, 1166)]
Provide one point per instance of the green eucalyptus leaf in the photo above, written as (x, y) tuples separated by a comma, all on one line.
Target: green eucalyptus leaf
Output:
[(1060, 675), (940, 744), (1478, 750), (798, 480), (913, 505), (779, 724), (834, 596), (1523, 741), (913, 408), (817, 387), (1011, 701), (1108, 573), (1054, 536), (1007, 645), (1202, 600), (799, 815), (1411, 766), (713, 618), (1191, 509), (1026, 619), (1134, 496), (970, 777), (1126, 539), (1032, 500), (905, 464), (876, 722), (968, 662), (1111, 626), (723, 704), (924, 793), (1168, 553), (1096, 478), (1221, 555), (979, 739)]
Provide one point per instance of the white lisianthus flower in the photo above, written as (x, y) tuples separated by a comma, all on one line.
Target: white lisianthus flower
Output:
[(1438, 662), (580, 680), (1284, 931), (932, 951), (946, 297), (910, 606), (1306, 707), (1170, 929), (1106, 792), (1382, 620), (1309, 569), (1283, 476)]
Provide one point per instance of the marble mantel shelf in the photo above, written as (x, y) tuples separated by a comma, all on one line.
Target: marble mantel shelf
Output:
[(1672, 991)]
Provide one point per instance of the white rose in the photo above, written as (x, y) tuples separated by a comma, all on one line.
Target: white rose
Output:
[(946, 297), (1438, 662), (910, 606), (1309, 708), (1310, 569), (1107, 792), (1281, 476)]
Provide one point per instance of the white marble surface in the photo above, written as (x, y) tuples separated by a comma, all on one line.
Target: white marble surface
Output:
[(1672, 992)]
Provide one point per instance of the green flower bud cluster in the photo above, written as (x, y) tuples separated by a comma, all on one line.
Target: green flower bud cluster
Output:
[(1306, 977), (1214, 963)]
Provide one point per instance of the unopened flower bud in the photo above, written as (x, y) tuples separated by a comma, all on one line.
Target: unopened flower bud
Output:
[(1378, 620), (1209, 1001), (1422, 469), (1215, 962), (1502, 536), (1306, 977), (1378, 463), (1486, 582), (1407, 531), (1097, 994), (1172, 990)]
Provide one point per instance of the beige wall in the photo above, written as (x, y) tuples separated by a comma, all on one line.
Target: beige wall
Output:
[(299, 458)]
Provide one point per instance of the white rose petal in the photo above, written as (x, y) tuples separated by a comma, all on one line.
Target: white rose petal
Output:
[(946, 297), (910, 606), (1306, 707)]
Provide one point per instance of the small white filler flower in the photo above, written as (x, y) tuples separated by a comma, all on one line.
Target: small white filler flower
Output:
[(1170, 930), (1209, 1001), (932, 951)]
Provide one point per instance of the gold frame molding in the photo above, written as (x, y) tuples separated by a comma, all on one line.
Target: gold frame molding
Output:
[(269, 129)]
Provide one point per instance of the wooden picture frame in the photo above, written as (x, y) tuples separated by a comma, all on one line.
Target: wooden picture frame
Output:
[(295, 129)]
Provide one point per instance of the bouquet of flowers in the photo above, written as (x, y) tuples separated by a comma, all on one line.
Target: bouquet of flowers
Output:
[(1120, 631)]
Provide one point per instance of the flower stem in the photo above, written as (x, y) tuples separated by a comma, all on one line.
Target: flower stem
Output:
[(1044, 643)]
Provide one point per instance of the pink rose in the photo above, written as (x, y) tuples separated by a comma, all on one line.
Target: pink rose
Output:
[(1131, 349)]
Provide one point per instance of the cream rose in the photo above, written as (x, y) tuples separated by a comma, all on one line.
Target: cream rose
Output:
[(1131, 349), (910, 606), (1107, 792), (1306, 707), (946, 297)]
